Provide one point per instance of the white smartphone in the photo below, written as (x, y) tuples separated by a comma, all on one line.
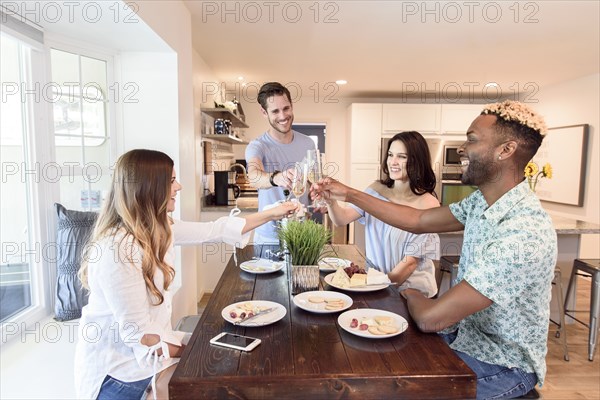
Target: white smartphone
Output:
[(239, 342)]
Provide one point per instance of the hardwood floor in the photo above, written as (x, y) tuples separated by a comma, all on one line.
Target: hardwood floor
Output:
[(565, 380), (577, 378)]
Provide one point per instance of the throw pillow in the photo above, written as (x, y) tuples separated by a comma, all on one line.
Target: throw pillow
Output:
[(73, 231)]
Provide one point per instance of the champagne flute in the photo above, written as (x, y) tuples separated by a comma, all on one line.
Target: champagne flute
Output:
[(311, 160), (299, 180), (315, 172)]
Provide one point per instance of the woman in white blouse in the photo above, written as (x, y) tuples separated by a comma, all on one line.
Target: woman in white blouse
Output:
[(125, 333), (404, 256)]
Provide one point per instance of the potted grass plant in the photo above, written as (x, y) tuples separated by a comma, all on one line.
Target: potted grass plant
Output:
[(304, 240)]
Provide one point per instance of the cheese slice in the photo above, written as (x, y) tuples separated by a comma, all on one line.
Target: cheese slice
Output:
[(340, 279), (358, 280), (375, 277), (368, 321)]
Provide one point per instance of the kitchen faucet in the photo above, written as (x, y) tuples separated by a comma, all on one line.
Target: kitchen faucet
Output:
[(243, 169)]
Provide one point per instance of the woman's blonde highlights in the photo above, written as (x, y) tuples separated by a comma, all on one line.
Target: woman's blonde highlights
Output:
[(137, 206)]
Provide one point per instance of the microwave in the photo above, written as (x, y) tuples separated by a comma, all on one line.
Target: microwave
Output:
[(451, 156)]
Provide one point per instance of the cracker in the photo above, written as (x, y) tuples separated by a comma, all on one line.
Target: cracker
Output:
[(334, 306), (375, 330), (333, 300), (316, 299), (386, 329)]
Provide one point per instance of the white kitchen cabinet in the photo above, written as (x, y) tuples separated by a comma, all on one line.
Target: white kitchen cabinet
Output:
[(423, 118), (361, 177), (365, 132), (363, 174), (456, 118)]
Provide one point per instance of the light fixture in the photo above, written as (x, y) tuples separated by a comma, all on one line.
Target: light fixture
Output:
[(341, 82), (491, 84), (240, 78)]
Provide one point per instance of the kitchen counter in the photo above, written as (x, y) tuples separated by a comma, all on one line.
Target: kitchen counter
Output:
[(562, 225), (569, 226), (244, 203)]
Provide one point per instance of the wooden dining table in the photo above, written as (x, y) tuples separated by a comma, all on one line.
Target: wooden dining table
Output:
[(307, 355)]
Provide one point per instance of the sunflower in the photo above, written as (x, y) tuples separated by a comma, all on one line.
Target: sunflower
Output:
[(531, 169), (547, 171)]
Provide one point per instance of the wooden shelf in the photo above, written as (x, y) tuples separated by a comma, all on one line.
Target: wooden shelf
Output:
[(225, 139), (225, 114)]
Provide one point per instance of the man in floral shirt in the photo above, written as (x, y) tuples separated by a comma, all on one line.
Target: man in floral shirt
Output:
[(496, 315)]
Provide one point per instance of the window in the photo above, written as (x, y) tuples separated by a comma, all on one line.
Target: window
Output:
[(82, 139), (17, 267), (69, 163)]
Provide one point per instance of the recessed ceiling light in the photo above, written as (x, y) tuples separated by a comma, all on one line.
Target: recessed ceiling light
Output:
[(240, 78), (491, 84), (341, 82)]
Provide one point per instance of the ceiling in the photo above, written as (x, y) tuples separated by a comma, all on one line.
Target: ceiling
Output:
[(392, 48)]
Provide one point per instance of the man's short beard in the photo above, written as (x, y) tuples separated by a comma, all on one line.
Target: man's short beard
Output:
[(479, 172)]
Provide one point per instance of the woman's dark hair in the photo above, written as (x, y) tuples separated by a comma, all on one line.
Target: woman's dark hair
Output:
[(418, 164)]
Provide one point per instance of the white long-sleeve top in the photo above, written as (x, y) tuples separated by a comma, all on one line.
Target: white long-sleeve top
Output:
[(120, 310)]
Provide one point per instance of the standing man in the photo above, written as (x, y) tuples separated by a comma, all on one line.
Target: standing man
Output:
[(496, 315), (270, 157)]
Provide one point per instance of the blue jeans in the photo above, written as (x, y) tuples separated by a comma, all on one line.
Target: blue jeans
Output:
[(496, 381), (114, 389)]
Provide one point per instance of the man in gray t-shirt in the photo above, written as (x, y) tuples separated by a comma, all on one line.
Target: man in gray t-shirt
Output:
[(270, 157)]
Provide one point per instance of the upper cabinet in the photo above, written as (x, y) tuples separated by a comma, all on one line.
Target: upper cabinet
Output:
[(423, 118), (456, 118), (365, 132)]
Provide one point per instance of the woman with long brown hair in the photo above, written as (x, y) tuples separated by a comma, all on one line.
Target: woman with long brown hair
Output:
[(404, 256), (125, 334)]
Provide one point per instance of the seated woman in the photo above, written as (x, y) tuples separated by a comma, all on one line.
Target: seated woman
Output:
[(404, 256), (125, 335)]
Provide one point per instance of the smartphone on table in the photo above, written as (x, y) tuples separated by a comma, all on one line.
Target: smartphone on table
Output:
[(238, 342)]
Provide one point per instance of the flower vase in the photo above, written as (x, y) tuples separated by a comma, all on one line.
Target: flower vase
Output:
[(532, 184), (305, 278)]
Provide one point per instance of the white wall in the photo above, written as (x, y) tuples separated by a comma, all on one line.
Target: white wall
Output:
[(171, 20), (572, 103), (39, 363), (203, 78)]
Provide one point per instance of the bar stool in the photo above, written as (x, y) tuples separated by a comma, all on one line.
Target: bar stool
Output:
[(188, 323), (561, 332), (589, 268), (448, 264)]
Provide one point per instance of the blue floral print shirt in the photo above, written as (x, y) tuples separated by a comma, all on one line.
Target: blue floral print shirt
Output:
[(508, 255)]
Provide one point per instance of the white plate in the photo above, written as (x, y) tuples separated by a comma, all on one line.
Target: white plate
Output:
[(261, 320), (345, 319), (366, 288), (262, 266), (333, 263), (302, 300)]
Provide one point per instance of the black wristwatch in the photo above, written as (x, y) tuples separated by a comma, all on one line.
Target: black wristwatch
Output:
[(272, 178)]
